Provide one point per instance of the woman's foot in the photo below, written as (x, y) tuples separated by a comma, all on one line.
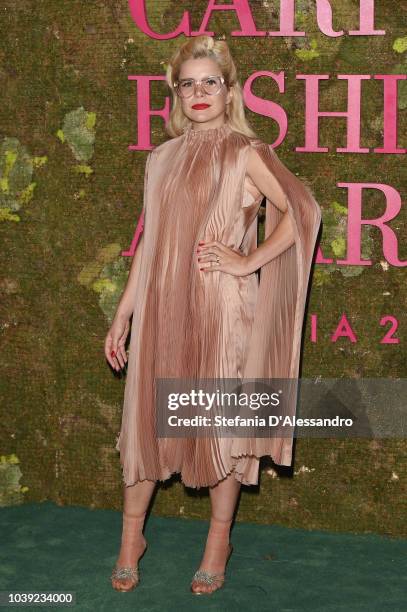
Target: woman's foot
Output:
[(211, 574), (125, 576)]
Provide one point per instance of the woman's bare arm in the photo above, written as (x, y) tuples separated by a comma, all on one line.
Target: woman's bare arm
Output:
[(127, 301), (283, 236)]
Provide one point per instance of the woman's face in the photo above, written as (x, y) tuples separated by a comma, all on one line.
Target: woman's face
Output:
[(213, 113)]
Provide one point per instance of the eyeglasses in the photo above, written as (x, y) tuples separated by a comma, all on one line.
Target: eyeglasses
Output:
[(212, 85)]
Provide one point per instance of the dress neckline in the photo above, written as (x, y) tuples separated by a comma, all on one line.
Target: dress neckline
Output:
[(209, 134)]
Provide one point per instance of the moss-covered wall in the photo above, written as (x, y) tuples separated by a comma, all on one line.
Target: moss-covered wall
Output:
[(70, 196)]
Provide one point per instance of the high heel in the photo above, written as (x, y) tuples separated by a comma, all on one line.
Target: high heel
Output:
[(206, 577), (127, 573), (128, 577)]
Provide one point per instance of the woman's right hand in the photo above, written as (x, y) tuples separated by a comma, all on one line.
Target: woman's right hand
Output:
[(115, 340)]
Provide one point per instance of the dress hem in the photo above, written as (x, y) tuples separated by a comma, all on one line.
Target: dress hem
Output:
[(239, 475)]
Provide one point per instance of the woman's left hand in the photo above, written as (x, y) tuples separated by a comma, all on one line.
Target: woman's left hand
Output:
[(216, 257)]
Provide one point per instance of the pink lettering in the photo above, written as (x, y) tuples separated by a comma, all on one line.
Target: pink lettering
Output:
[(138, 14), (287, 19), (324, 19), (390, 113), (243, 13), (248, 27), (344, 330), (312, 113), (145, 112), (314, 323), (355, 221), (388, 337), (366, 18), (267, 107)]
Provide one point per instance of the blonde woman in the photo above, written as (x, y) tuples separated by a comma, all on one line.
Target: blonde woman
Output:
[(198, 308)]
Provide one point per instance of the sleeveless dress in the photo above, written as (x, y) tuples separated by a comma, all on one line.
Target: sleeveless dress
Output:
[(193, 324)]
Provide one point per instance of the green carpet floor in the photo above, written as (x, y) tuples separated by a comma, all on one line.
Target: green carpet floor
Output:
[(272, 568)]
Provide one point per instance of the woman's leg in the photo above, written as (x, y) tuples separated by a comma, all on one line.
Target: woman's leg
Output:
[(136, 501), (223, 496)]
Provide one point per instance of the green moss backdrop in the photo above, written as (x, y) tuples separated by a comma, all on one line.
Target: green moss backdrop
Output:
[(70, 196)]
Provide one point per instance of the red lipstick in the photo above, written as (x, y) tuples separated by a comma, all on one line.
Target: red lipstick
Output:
[(200, 106)]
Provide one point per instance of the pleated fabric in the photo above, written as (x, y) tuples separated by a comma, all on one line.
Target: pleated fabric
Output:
[(192, 324)]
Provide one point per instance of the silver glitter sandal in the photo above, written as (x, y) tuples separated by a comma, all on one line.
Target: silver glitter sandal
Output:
[(126, 573), (207, 578)]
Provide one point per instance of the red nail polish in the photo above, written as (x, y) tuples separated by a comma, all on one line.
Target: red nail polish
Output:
[(198, 250), (201, 268), (199, 259)]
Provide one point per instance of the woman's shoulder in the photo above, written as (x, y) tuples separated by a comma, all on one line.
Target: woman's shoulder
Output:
[(253, 141), (258, 143), (166, 146)]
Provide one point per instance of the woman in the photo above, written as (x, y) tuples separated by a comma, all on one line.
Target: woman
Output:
[(198, 307)]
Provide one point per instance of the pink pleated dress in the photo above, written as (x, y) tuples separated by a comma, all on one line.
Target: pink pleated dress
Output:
[(189, 323)]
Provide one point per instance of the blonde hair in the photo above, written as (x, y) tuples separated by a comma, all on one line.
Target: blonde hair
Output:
[(217, 50)]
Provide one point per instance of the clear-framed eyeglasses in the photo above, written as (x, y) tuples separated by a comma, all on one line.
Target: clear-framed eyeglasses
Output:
[(211, 85)]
